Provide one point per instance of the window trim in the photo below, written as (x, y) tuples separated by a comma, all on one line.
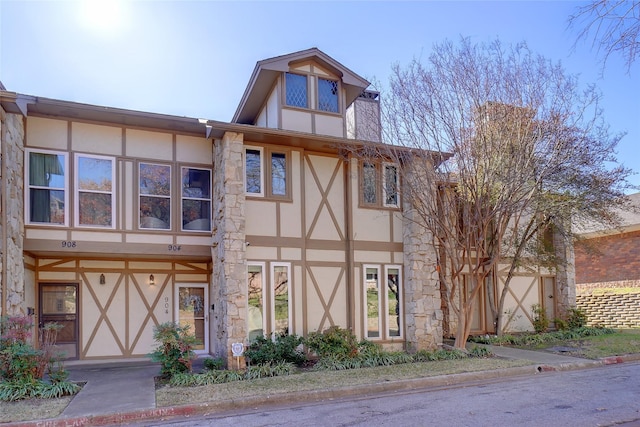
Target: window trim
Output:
[(337, 82), (263, 268), (261, 193), (380, 185), (170, 197), (28, 187), (383, 302), (266, 176), (400, 300), (182, 198), (308, 91), (313, 92), (272, 297), (365, 306), (77, 191), (385, 186)]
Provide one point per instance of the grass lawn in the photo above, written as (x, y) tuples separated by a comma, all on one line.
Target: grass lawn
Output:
[(623, 341)]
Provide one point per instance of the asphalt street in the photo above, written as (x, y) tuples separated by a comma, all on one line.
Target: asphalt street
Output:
[(605, 396)]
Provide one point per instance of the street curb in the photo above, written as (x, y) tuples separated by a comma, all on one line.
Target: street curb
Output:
[(209, 408)]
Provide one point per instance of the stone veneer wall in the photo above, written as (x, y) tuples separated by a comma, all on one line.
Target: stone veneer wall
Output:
[(565, 272), (228, 252), (11, 214), (610, 304), (422, 304)]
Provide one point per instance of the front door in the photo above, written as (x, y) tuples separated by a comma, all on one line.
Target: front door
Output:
[(192, 310), (548, 299), (58, 303)]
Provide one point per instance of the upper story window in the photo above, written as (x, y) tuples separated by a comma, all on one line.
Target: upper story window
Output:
[(328, 95), (47, 187), (379, 185), (296, 85), (268, 178), (95, 198), (196, 199), (324, 96), (155, 196)]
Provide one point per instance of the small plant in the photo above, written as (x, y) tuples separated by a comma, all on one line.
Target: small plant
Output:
[(540, 319), (561, 324), (577, 318), (175, 352), (285, 348), (214, 364)]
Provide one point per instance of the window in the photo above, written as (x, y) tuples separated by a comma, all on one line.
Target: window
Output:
[(256, 314), (95, 198), (253, 171), (382, 301), (379, 185), (277, 170), (155, 196), (196, 199), (327, 95), (296, 89), (280, 298), (369, 183), (46, 188), (390, 185), (278, 309)]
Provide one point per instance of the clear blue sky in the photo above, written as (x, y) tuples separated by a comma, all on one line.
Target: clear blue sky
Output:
[(194, 58)]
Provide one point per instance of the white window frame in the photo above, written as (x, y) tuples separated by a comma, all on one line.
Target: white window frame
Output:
[(170, 196), (400, 301), (263, 267), (28, 187), (365, 267), (272, 296), (209, 199), (77, 191), (385, 186), (262, 171)]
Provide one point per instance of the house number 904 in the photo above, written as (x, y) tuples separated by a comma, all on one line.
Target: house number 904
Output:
[(68, 243), (174, 247)]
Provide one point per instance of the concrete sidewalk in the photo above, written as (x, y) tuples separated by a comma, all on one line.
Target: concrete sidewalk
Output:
[(122, 392)]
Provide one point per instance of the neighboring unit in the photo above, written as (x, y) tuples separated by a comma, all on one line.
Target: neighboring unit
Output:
[(114, 221)]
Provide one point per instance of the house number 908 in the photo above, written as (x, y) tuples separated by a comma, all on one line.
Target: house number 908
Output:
[(68, 243), (174, 247)]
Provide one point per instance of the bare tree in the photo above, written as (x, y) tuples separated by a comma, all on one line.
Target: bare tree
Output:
[(612, 26), (497, 144)]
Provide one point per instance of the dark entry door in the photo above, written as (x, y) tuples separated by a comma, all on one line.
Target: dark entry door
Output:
[(59, 304)]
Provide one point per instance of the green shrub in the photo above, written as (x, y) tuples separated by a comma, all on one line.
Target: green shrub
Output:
[(285, 348), (22, 367), (561, 324), (214, 364), (175, 351), (540, 320), (481, 352), (334, 342), (576, 319)]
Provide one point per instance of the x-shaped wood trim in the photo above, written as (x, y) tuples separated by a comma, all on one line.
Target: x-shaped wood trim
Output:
[(326, 305), (324, 202)]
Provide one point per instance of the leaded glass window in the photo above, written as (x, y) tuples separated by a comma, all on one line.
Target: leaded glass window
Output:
[(327, 95), (296, 87), (278, 174), (390, 185), (369, 183)]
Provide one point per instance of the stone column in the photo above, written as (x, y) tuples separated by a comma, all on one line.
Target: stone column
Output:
[(422, 303), (12, 286), (228, 252), (565, 270)]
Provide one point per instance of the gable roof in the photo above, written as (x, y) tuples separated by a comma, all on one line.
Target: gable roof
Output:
[(267, 71), (629, 221)]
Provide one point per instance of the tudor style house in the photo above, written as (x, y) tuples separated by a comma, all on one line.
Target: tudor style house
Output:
[(114, 221)]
